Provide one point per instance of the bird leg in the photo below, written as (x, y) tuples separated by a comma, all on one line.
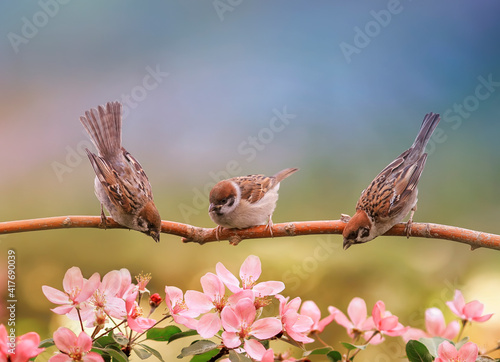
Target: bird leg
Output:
[(104, 221), (410, 222)]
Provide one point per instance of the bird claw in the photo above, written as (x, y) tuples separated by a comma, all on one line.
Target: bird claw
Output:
[(345, 218), (269, 227)]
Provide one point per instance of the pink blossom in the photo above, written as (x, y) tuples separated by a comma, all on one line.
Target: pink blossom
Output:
[(358, 324), (385, 322), (239, 323), (257, 351), (448, 353), (249, 273), (297, 326), (24, 348), (104, 301), (435, 326), (76, 291), (470, 312), (135, 320), (309, 308), (74, 348), (183, 308), (213, 298)]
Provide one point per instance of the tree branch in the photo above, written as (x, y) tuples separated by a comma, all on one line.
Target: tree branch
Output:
[(189, 233)]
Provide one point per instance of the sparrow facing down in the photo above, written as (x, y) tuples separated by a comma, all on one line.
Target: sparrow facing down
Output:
[(245, 201), (393, 193), (121, 185)]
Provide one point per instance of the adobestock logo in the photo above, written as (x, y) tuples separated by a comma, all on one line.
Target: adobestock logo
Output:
[(32, 25)]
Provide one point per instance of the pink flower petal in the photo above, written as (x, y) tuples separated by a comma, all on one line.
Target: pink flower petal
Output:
[(310, 309), (468, 352), (230, 339), (93, 357), (89, 287), (60, 357), (254, 349), (413, 333), (126, 281), (208, 325), (63, 309), (434, 322), (245, 311), (357, 312), (111, 283), (378, 312), (342, 320), (235, 298), (483, 318), (230, 321), (198, 302), (55, 296), (388, 323), (473, 309), (451, 330), (324, 322), (27, 347), (227, 278), (447, 351), (73, 279), (84, 342), (250, 269), (174, 296), (64, 339), (266, 328), (268, 288), (212, 285), (457, 304)]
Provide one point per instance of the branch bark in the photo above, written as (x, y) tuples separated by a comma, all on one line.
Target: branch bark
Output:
[(189, 233)]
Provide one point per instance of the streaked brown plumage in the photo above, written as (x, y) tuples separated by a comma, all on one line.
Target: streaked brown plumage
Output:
[(393, 193), (121, 185)]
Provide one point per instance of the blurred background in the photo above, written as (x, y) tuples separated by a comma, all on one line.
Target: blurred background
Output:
[(223, 88)]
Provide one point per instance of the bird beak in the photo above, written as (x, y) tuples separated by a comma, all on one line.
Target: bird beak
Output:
[(212, 208), (155, 236), (347, 244)]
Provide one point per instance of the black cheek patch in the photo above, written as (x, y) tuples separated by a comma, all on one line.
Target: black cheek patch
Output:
[(231, 202), (365, 232)]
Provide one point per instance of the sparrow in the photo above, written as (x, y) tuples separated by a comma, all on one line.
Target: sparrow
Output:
[(245, 201), (121, 185), (393, 193)]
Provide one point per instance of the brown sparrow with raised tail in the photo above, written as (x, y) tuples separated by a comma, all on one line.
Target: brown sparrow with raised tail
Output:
[(245, 201), (393, 193), (121, 185)]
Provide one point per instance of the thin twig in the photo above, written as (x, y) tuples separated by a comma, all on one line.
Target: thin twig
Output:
[(189, 233)]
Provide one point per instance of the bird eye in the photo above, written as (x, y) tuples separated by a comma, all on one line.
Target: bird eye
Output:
[(352, 236), (224, 200)]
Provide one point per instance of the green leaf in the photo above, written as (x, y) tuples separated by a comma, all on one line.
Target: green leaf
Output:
[(120, 339), (104, 341), (188, 333), (162, 334), (350, 346), (334, 356), (142, 353), (198, 347), (324, 350), (417, 352), (236, 357), (432, 344), (153, 351), (204, 357), (117, 355), (46, 343)]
